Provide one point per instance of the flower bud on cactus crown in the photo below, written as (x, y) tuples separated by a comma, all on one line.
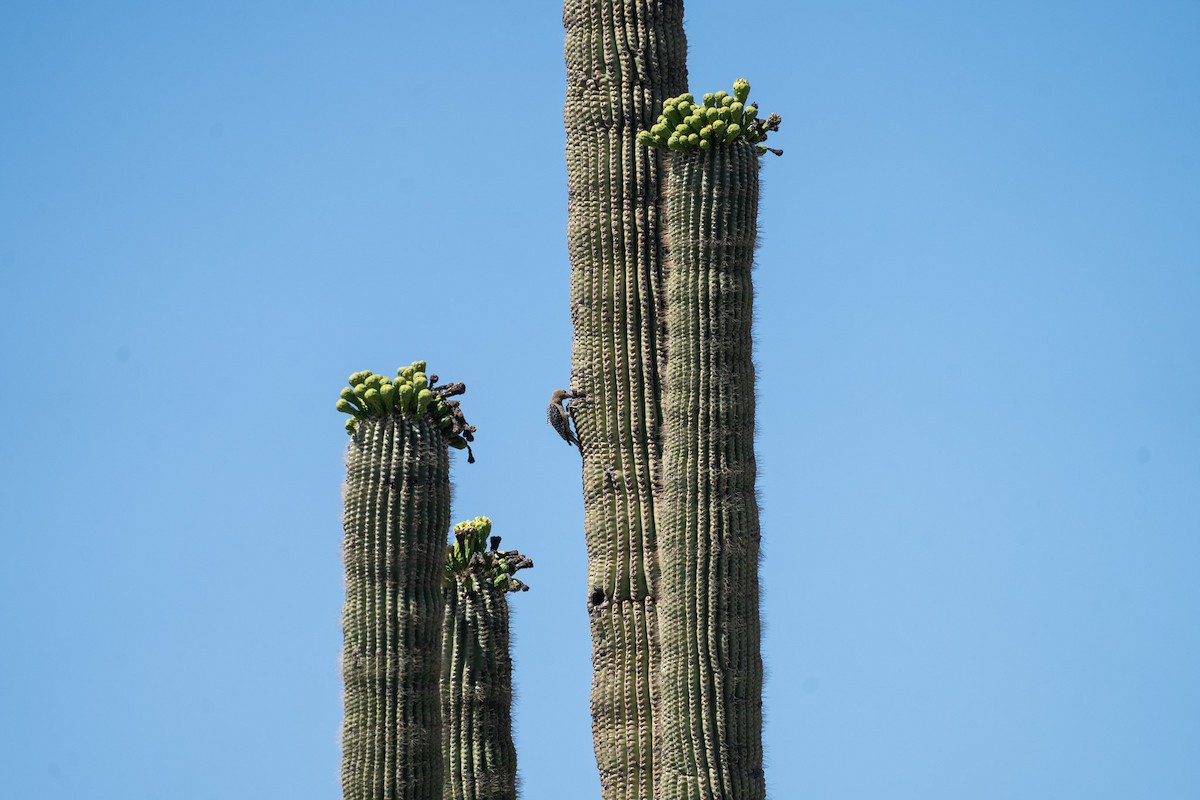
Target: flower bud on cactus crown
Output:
[(741, 89), (686, 126)]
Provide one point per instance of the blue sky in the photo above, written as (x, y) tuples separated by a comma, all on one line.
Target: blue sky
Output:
[(979, 386)]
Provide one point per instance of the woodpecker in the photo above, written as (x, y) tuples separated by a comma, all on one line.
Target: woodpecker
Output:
[(560, 419)]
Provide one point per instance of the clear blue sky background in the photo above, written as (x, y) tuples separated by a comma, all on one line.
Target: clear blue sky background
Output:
[(977, 324)]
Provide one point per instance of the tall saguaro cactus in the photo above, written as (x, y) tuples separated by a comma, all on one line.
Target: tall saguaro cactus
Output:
[(477, 689), (710, 718), (397, 511), (623, 58)]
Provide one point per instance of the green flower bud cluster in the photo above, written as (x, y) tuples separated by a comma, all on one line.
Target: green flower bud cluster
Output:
[(476, 552), (686, 126), (371, 395)]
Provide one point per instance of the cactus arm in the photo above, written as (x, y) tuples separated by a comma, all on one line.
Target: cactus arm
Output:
[(623, 59), (711, 688)]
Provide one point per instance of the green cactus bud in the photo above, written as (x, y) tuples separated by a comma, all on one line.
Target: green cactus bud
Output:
[(706, 133), (733, 131), (418, 366), (420, 381), (705, 144), (360, 391), (373, 382), (720, 97), (349, 396), (725, 115), (345, 407), (685, 109), (406, 399), (735, 114), (374, 403), (694, 140), (661, 130), (358, 377), (741, 89), (424, 397), (646, 139), (711, 115), (457, 442), (671, 114), (688, 96), (750, 112), (710, 100), (718, 129), (351, 426), (387, 394)]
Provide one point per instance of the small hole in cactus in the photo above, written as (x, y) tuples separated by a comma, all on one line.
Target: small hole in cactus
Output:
[(597, 598)]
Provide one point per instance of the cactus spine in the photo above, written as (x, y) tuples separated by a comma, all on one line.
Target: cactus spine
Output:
[(711, 692), (623, 59), (397, 510), (476, 683)]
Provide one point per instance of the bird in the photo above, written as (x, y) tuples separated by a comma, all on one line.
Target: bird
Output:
[(559, 418)]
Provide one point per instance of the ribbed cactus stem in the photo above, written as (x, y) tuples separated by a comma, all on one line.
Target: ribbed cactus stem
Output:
[(397, 511), (477, 687), (711, 688), (624, 57), (477, 693)]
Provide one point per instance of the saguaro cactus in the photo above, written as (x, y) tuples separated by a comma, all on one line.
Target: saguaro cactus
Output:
[(623, 58), (710, 722), (397, 511), (481, 759)]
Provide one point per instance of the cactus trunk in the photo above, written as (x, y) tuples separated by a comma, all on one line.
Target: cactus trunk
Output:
[(623, 58), (477, 693), (711, 692), (397, 512)]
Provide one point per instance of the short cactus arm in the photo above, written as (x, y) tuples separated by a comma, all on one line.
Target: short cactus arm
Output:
[(711, 701), (476, 683)]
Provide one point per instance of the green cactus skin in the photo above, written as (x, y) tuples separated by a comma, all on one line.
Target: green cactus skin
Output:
[(481, 759), (397, 510), (623, 58), (710, 736), (476, 684)]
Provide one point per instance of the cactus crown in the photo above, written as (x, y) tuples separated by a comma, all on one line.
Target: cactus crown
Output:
[(372, 396), (473, 554), (686, 126)]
